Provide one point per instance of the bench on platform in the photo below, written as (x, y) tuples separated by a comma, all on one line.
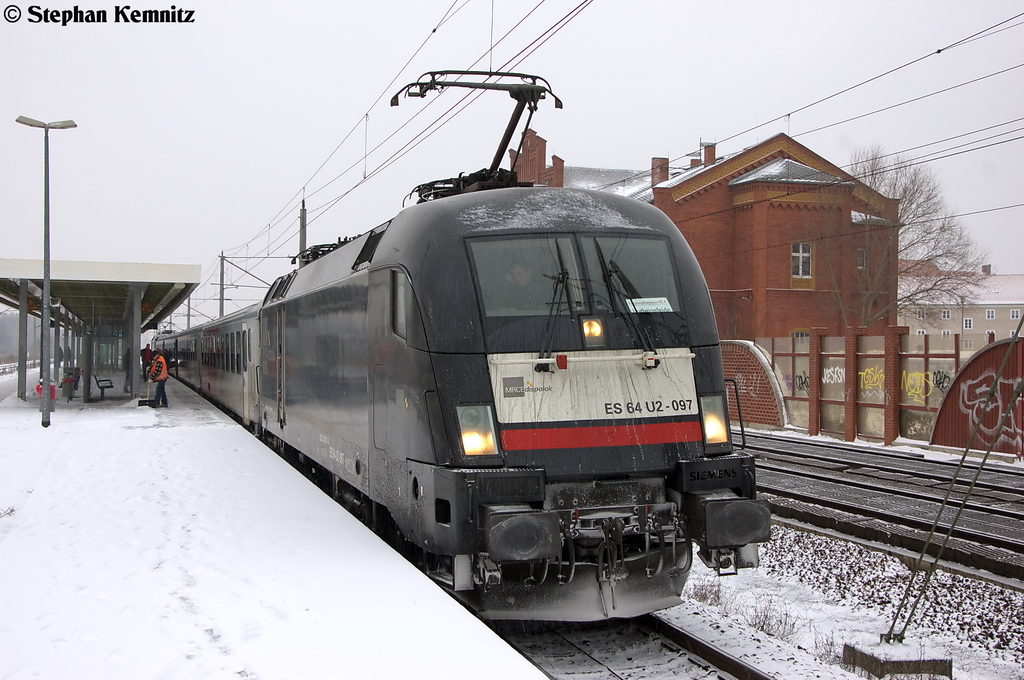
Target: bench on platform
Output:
[(103, 384)]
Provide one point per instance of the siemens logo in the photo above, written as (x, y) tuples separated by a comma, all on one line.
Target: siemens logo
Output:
[(702, 475)]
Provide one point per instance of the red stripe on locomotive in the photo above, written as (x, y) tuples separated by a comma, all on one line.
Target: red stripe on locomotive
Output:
[(601, 435)]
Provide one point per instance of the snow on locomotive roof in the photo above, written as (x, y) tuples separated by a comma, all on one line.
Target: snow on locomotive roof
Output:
[(540, 209)]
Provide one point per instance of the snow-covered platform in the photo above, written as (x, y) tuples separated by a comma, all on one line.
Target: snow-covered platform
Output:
[(169, 543)]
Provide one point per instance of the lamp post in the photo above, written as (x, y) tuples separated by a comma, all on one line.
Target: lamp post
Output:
[(46, 404)]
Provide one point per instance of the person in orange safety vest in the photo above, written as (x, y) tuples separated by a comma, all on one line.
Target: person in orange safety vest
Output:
[(158, 373)]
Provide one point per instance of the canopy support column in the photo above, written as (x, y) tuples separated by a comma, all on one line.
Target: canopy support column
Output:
[(22, 339)]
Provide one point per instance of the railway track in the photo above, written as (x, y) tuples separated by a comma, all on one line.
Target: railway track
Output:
[(894, 497), (645, 647), (1001, 485)]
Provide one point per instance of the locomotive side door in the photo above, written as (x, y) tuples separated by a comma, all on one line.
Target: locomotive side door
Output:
[(281, 363)]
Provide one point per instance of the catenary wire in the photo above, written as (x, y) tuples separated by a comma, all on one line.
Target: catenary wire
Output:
[(988, 32), (545, 36)]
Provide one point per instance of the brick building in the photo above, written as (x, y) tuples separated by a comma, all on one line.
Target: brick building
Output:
[(787, 240)]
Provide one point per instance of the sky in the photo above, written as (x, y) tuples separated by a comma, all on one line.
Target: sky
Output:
[(199, 138)]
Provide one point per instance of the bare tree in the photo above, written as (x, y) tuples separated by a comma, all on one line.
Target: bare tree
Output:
[(938, 260)]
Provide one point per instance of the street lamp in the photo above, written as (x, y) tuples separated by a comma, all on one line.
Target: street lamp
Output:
[(46, 404)]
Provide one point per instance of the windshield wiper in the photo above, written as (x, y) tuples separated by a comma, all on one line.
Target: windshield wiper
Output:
[(554, 311), (619, 286)]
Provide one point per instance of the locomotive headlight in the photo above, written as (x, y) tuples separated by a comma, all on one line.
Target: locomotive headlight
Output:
[(477, 428), (715, 418), (593, 333)]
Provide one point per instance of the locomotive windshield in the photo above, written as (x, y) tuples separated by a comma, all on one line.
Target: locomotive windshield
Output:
[(635, 273), (521, 277), (532, 287)]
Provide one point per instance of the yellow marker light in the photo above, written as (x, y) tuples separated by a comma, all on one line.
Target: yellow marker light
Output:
[(478, 444), (715, 418), (593, 333)]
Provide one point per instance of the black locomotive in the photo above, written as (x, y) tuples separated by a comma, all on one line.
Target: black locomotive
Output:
[(521, 387)]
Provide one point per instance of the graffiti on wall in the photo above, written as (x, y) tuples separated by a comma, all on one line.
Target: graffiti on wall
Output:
[(797, 383), (921, 385), (872, 383), (917, 385), (747, 386), (871, 378), (973, 394), (833, 375)]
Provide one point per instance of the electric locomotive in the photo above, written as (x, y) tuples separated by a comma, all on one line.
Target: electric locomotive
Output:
[(523, 389)]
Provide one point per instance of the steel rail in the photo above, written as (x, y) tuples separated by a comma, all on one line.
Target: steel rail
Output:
[(893, 517)]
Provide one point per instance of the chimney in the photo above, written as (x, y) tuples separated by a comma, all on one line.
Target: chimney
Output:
[(986, 269), (659, 170), (709, 152), (694, 162)]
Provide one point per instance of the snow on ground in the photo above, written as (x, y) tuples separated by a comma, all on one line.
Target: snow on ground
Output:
[(818, 593), (142, 543)]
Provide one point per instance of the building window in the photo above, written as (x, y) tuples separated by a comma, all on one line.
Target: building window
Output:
[(1014, 313), (801, 334), (921, 315), (966, 343), (862, 258), (945, 332), (990, 332), (946, 315), (990, 314), (802, 260), (921, 331), (968, 324)]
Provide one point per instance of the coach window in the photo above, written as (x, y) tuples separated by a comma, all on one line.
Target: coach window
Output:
[(399, 309), (245, 350)]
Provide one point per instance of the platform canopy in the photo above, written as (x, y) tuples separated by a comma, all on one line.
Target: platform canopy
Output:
[(98, 292), (98, 312)]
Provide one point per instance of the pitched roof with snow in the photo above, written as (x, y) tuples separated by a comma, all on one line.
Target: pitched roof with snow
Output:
[(604, 179), (788, 170), (1001, 289), (997, 289), (864, 218)]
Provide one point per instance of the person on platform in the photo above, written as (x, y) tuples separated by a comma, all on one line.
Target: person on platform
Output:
[(158, 373), (147, 359)]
